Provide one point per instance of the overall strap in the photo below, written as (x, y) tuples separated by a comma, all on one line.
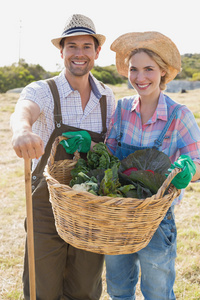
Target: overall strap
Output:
[(119, 105), (160, 139), (103, 104), (58, 122), (56, 97)]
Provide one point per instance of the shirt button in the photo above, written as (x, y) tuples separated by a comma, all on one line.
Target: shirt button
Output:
[(33, 187), (34, 177)]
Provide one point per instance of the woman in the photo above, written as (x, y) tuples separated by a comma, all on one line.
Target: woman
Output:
[(151, 119)]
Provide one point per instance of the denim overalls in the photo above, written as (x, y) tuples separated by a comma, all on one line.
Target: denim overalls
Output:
[(123, 149), (157, 259)]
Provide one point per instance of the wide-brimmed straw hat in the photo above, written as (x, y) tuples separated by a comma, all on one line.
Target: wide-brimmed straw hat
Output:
[(78, 25), (152, 40)]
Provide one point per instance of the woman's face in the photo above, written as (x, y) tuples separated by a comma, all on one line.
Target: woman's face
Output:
[(145, 75)]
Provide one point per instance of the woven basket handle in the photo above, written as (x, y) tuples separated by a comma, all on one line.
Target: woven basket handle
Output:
[(167, 182), (51, 159)]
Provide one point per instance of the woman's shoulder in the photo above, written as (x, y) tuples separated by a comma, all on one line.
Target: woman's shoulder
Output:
[(182, 110), (128, 101)]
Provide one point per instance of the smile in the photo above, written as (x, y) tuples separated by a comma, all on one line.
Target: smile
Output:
[(79, 63), (143, 86)]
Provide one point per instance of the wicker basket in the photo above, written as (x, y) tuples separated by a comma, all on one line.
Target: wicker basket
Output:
[(103, 224)]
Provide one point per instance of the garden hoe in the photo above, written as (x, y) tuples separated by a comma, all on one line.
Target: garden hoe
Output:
[(30, 236)]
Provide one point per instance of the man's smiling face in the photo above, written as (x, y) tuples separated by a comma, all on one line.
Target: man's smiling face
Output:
[(79, 54)]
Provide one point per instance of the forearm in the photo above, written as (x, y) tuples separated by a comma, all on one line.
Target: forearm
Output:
[(197, 174), (24, 116)]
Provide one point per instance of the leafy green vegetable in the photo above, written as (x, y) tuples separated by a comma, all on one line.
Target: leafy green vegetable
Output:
[(110, 182), (100, 158), (128, 190), (81, 178), (140, 175), (81, 166), (147, 159), (148, 180), (151, 166)]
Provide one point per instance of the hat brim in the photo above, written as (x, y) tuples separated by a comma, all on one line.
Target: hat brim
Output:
[(100, 38), (154, 41)]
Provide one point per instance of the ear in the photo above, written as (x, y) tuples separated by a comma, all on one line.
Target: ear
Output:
[(97, 52), (61, 52), (163, 73)]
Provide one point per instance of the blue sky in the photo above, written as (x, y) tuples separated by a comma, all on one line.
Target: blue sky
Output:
[(26, 27)]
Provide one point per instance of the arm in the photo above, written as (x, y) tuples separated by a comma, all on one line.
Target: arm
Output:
[(25, 143), (197, 174)]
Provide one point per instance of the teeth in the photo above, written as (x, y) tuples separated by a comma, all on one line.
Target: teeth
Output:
[(142, 86), (78, 63)]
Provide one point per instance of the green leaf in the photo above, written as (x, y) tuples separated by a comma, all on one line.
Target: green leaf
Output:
[(147, 159)]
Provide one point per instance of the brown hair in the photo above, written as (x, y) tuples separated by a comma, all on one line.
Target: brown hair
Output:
[(96, 43), (162, 65)]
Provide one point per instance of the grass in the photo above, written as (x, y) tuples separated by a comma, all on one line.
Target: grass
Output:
[(13, 211)]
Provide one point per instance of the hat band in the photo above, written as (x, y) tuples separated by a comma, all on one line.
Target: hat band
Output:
[(78, 29)]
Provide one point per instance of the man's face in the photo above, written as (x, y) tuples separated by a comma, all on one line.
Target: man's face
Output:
[(79, 54)]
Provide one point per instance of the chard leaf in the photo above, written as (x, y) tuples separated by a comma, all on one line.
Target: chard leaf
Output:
[(151, 181), (143, 192), (128, 190), (110, 182), (147, 159)]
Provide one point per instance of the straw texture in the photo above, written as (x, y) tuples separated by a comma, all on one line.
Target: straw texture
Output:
[(99, 224), (152, 40)]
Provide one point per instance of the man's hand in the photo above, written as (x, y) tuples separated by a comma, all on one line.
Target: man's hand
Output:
[(27, 144)]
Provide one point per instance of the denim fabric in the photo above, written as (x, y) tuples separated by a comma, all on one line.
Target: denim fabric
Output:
[(157, 264)]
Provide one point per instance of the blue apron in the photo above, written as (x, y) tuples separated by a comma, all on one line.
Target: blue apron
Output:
[(123, 149)]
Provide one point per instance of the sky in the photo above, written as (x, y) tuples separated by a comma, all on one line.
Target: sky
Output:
[(27, 26)]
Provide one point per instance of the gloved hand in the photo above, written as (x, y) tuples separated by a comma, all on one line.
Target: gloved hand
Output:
[(77, 140), (182, 179)]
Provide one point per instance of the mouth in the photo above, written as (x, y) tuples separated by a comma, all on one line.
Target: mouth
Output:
[(79, 63), (143, 86)]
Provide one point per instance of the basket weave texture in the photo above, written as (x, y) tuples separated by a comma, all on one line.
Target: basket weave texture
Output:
[(102, 224)]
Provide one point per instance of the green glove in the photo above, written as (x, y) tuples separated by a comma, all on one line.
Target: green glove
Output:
[(182, 179), (77, 140)]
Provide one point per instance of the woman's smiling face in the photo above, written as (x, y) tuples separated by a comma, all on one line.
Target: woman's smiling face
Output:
[(145, 74)]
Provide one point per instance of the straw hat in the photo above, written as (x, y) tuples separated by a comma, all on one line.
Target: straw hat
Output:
[(154, 41), (78, 25)]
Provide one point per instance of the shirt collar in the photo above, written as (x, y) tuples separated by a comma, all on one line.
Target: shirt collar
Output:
[(161, 110), (97, 88)]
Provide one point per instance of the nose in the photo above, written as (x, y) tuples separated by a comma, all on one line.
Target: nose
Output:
[(140, 76), (79, 51)]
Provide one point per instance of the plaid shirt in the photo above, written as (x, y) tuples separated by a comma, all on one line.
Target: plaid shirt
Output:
[(182, 137), (71, 107)]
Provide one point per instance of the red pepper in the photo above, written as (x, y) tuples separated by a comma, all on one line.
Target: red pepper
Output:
[(128, 171)]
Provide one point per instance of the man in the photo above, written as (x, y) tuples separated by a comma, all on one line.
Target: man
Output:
[(62, 271)]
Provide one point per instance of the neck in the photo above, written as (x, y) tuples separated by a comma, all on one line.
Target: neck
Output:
[(147, 108), (82, 85)]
